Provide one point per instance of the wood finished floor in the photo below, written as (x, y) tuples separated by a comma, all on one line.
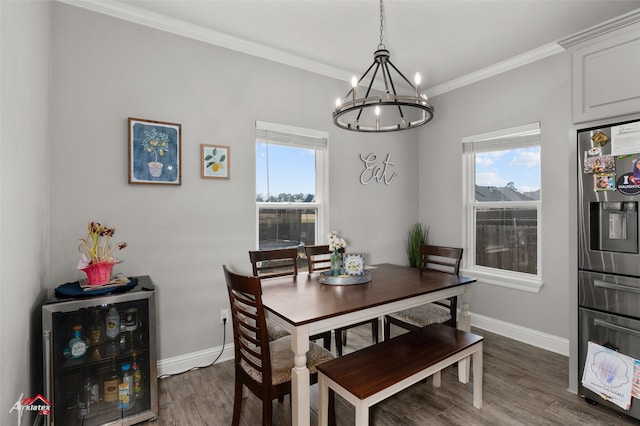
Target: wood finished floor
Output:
[(523, 385)]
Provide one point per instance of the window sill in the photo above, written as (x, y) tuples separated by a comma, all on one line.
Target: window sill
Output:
[(509, 280)]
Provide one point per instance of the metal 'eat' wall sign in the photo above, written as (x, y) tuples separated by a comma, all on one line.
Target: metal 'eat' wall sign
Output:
[(374, 171)]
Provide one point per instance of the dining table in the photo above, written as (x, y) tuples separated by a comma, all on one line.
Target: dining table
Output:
[(304, 306)]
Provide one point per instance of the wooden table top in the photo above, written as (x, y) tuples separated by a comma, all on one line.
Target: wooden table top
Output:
[(304, 300)]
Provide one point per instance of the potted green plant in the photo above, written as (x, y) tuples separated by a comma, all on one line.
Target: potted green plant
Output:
[(415, 238)]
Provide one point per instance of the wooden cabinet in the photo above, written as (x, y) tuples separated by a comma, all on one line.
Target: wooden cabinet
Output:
[(606, 73)]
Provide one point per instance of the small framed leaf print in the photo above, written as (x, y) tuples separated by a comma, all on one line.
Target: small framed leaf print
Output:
[(215, 161)]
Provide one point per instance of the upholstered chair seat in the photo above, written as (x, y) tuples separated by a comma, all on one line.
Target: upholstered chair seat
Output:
[(422, 316), (282, 360)]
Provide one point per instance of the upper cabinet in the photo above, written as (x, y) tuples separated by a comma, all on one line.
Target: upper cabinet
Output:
[(606, 69)]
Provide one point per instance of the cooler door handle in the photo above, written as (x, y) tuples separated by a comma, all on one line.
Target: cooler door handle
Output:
[(608, 325), (610, 286)]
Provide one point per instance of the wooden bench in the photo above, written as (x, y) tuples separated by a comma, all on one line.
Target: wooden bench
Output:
[(370, 375)]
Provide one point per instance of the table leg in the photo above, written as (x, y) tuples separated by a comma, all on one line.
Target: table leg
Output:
[(323, 401), (477, 377), (300, 381), (464, 323)]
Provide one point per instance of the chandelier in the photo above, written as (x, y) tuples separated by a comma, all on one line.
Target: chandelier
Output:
[(361, 111)]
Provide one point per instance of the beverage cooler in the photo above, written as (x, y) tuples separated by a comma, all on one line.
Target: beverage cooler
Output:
[(100, 362)]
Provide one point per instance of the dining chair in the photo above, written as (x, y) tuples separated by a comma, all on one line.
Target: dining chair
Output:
[(263, 366), (318, 260), (274, 263), (435, 258), (279, 263)]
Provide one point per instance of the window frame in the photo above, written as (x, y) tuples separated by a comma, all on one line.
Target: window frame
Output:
[(527, 135), (302, 138)]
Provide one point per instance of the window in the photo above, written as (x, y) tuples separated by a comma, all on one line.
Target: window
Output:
[(291, 192), (502, 206)]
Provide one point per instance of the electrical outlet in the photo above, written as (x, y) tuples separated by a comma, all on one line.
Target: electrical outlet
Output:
[(224, 315)]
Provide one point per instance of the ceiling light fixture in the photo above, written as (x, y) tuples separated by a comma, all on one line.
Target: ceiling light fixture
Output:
[(385, 113)]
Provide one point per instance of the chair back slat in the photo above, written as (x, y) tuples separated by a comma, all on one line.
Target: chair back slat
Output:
[(443, 259), (274, 263), (246, 313), (319, 257), (247, 333), (251, 342)]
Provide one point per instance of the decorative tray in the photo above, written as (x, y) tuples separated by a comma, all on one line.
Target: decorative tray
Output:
[(344, 279), (74, 289)]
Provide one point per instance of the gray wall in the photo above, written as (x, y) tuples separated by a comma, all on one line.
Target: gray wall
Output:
[(24, 194), (105, 70), (537, 92)]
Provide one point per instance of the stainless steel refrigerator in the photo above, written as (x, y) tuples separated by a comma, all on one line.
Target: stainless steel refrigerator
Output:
[(609, 257)]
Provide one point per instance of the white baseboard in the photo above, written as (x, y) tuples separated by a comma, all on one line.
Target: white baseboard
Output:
[(529, 336), (203, 358), (181, 363)]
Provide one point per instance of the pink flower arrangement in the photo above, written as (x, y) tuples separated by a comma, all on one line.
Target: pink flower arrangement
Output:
[(96, 247)]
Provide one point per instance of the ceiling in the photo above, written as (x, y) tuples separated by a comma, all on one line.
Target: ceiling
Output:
[(443, 40)]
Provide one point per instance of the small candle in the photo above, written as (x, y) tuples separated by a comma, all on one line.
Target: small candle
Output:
[(377, 111)]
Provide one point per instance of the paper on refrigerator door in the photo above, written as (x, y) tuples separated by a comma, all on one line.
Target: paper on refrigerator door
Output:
[(609, 374), (625, 139)]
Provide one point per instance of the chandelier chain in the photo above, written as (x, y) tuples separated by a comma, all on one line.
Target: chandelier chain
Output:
[(381, 45)]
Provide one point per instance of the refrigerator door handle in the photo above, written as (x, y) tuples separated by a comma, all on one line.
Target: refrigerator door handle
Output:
[(610, 286), (46, 343), (604, 324)]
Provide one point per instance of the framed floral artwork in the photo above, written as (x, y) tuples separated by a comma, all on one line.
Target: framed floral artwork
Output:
[(215, 161), (155, 155), (353, 264)]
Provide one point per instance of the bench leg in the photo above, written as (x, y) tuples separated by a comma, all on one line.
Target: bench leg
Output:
[(477, 377), (323, 401), (362, 413), (437, 379)]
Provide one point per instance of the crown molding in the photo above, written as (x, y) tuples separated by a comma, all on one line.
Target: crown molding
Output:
[(490, 71), (160, 22), (601, 29)]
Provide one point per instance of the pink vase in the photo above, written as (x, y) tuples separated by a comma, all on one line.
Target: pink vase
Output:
[(98, 273)]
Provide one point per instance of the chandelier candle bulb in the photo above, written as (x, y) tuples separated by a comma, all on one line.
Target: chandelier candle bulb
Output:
[(377, 111), (354, 84), (417, 79)]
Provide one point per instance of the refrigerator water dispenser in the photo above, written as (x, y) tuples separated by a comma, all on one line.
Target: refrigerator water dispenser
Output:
[(614, 226)]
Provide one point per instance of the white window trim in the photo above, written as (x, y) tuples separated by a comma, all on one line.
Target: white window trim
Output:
[(322, 175), (503, 278)]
